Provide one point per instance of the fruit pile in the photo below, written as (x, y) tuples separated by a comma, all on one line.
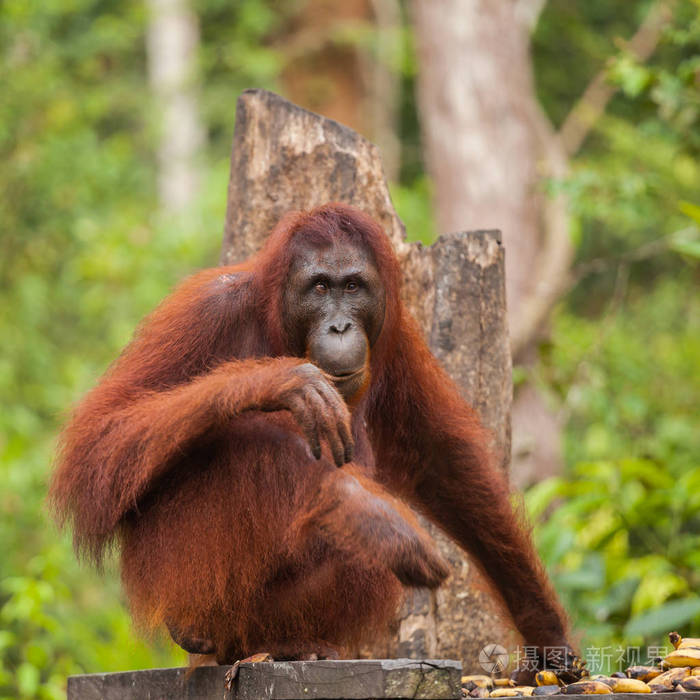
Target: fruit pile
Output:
[(678, 672)]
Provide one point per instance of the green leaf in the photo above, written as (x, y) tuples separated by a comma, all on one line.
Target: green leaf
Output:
[(689, 248), (663, 618), (690, 210), (27, 679), (655, 588), (581, 580), (540, 496)]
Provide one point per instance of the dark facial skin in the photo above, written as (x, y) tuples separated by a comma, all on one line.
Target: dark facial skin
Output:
[(333, 310)]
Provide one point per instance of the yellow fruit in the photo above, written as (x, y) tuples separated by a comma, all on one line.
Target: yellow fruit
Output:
[(546, 678), (503, 683), (477, 681), (667, 680), (691, 683), (518, 690), (600, 678), (683, 657), (587, 688), (695, 671), (629, 685), (683, 642), (643, 673)]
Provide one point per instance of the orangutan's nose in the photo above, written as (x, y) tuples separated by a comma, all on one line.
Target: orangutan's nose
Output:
[(340, 327)]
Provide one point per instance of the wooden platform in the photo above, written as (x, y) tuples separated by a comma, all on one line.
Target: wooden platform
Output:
[(328, 680), (387, 679)]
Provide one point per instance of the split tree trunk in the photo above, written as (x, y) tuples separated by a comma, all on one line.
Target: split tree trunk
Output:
[(286, 158)]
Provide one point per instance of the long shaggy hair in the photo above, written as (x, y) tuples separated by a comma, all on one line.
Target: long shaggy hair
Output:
[(228, 530)]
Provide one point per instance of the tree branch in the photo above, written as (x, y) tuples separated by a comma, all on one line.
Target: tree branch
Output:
[(599, 92), (645, 251)]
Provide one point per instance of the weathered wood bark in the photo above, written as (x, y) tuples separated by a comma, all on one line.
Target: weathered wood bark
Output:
[(286, 158), (391, 679)]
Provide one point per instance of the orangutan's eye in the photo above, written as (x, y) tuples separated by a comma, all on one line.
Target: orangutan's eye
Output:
[(352, 287), (321, 287)]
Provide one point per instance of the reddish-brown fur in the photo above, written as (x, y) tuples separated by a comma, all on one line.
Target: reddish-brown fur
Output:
[(228, 527)]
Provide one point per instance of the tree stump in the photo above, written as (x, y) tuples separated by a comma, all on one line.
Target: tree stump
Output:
[(286, 158)]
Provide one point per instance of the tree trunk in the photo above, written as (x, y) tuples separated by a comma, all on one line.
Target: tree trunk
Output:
[(484, 138), (344, 79), (286, 158), (173, 37), (488, 150), (323, 71)]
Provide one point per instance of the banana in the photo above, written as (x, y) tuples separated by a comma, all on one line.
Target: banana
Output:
[(518, 690), (695, 671), (547, 690), (587, 688), (477, 682), (684, 656), (504, 683), (643, 673), (667, 680), (690, 683), (684, 642), (629, 685), (546, 678), (600, 678)]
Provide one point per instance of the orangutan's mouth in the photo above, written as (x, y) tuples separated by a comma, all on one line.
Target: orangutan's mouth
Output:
[(344, 376)]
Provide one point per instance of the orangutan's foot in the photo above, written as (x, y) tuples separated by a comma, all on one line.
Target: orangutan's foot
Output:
[(233, 671), (190, 642)]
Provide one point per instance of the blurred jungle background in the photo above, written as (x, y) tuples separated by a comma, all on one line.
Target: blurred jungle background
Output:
[(573, 125)]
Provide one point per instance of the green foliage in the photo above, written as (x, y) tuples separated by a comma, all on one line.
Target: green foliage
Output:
[(413, 203), (238, 51), (621, 532), (576, 39), (85, 254), (641, 160)]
